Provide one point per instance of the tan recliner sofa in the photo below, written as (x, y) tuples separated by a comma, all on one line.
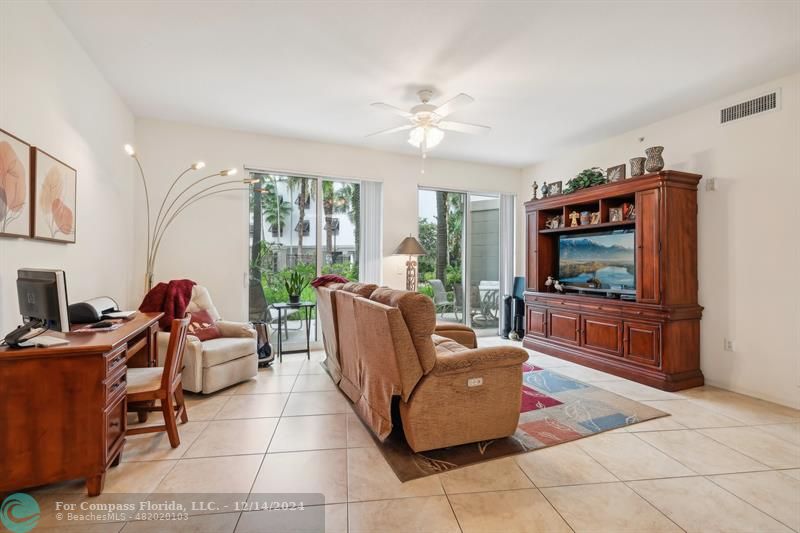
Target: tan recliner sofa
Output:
[(216, 363), (388, 345)]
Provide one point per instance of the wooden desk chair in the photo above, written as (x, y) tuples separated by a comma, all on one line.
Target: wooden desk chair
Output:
[(162, 384)]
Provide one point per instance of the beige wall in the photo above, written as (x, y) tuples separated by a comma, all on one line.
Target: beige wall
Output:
[(51, 95), (748, 232), (209, 242)]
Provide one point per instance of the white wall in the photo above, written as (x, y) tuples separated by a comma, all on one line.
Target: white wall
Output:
[(748, 232), (52, 96), (209, 241)]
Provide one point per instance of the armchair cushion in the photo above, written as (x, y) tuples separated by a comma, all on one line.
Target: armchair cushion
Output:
[(235, 329), (450, 359), (224, 349)]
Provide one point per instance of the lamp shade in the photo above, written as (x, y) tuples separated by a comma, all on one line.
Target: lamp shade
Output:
[(409, 246)]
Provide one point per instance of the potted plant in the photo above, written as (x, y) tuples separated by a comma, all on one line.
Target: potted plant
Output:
[(587, 178), (294, 283)]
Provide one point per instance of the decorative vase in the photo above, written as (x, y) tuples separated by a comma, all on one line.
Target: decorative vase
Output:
[(586, 218), (637, 166), (654, 161), (294, 298)]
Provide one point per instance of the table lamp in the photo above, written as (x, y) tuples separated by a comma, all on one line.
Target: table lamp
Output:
[(412, 248)]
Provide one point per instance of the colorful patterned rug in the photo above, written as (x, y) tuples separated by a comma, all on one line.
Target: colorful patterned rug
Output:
[(555, 409)]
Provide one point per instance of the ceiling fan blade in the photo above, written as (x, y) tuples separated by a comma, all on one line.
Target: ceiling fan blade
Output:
[(391, 130), (392, 109), (453, 104), (463, 127)]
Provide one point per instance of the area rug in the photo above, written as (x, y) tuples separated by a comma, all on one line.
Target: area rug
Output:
[(555, 409)]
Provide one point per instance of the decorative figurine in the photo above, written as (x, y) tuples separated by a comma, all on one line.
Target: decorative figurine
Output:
[(595, 218), (574, 217), (549, 283), (558, 286), (545, 190), (535, 188)]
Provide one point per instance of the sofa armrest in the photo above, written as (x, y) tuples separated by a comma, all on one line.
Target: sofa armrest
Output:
[(235, 329), (478, 359), (464, 335)]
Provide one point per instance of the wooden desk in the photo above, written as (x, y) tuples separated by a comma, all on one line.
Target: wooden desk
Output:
[(63, 410)]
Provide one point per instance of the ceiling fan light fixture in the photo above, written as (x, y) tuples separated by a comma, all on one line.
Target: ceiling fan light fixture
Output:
[(430, 134)]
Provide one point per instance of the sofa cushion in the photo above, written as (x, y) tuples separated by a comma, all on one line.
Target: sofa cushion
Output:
[(364, 290), (202, 300), (420, 318), (444, 345), (224, 349)]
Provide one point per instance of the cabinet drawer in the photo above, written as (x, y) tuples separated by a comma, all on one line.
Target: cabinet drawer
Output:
[(114, 424), (116, 384), (563, 326), (601, 334), (114, 359), (643, 343), (536, 321)]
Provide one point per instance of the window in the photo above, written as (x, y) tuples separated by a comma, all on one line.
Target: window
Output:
[(324, 237)]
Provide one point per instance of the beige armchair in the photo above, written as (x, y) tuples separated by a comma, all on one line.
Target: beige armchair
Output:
[(216, 363)]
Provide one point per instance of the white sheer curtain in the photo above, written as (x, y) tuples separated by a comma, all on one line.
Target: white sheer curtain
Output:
[(507, 204), (370, 256)]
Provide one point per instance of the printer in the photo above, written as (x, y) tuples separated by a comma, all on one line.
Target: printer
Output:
[(95, 310)]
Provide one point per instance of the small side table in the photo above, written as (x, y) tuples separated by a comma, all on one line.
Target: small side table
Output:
[(285, 307)]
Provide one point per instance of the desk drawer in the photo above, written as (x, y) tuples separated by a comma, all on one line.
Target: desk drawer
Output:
[(114, 424), (115, 359), (116, 384)]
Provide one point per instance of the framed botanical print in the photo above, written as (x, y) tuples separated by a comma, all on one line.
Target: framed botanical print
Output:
[(55, 198), (15, 186)]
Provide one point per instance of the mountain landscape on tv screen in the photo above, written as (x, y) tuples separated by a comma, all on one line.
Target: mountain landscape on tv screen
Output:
[(589, 249), (600, 258)]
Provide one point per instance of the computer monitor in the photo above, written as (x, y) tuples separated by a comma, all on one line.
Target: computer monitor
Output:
[(42, 297)]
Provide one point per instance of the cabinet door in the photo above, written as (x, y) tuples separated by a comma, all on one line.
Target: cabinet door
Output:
[(648, 249), (602, 334), (537, 321), (564, 326), (531, 270), (643, 343)]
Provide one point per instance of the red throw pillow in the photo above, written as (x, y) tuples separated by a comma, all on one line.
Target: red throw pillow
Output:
[(203, 327)]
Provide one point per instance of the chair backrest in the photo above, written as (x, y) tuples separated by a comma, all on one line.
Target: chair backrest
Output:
[(201, 300), (439, 294), (328, 318), (458, 295), (419, 315), (173, 362), (258, 309)]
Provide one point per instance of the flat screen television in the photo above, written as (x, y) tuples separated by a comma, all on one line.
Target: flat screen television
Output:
[(604, 261)]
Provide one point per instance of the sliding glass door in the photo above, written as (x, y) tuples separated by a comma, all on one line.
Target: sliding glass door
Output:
[(463, 270), (299, 224), (441, 269)]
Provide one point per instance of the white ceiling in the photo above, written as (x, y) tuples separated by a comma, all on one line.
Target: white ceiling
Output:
[(545, 75)]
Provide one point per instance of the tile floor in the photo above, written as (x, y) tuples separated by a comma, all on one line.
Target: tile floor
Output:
[(721, 462)]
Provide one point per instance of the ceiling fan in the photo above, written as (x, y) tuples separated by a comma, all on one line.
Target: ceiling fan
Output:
[(426, 121)]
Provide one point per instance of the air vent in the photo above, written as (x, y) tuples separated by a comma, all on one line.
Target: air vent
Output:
[(767, 102)]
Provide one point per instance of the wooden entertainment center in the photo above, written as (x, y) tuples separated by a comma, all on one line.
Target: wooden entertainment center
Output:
[(653, 339)]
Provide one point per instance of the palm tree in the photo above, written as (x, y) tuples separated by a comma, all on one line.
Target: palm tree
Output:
[(276, 209), (442, 259), (305, 196), (348, 200)]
